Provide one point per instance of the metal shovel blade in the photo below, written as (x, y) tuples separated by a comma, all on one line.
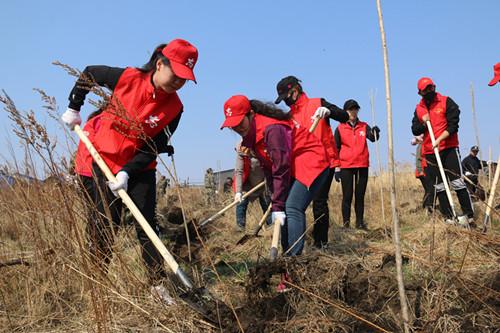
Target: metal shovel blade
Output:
[(204, 303)]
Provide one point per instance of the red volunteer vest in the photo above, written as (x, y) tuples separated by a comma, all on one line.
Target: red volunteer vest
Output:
[(137, 111), (83, 159), (302, 111), (437, 115), (354, 149), (309, 157)]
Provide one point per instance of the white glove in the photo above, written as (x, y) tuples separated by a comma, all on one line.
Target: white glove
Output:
[(120, 184), (278, 215), (238, 197), (71, 118), (321, 112), (467, 173)]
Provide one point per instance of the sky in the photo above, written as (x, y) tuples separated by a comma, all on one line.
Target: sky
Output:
[(246, 47)]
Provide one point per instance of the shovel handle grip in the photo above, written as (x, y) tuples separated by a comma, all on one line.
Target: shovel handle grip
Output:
[(314, 124), (174, 266), (274, 243)]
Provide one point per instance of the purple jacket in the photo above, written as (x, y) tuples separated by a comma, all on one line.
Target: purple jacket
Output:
[(278, 143)]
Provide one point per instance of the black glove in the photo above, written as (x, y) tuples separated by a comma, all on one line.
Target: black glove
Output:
[(337, 176), (376, 132), (169, 150)]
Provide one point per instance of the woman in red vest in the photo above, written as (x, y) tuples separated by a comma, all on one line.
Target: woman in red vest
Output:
[(141, 115), (305, 110), (444, 116), (294, 162), (351, 138)]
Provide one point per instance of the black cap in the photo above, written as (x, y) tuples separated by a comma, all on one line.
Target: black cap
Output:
[(351, 104), (284, 86), (474, 148)]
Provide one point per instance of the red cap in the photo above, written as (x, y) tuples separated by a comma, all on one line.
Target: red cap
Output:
[(424, 83), (235, 110), (496, 78), (183, 56)]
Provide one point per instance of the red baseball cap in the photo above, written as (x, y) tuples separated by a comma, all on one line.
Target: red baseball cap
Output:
[(183, 56), (496, 78), (235, 110), (424, 83)]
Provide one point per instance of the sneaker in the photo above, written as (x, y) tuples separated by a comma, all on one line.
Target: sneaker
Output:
[(239, 228), (161, 293), (282, 286), (463, 221), (449, 221)]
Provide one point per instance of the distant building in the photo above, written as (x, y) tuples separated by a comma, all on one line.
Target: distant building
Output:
[(220, 178)]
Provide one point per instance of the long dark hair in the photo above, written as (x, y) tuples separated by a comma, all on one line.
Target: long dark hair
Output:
[(151, 64), (269, 110)]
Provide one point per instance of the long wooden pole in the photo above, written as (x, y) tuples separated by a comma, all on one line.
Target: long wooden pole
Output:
[(474, 119), (395, 220), (491, 197), (377, 151)]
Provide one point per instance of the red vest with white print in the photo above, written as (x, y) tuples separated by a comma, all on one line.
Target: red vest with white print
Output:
[(353, 149), (437, 115), (309, 157), (302, 111), (83, 159), (137, 111)]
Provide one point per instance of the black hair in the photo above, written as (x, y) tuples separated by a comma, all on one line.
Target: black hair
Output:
[(151, 64), (95, 113), (269, 110)]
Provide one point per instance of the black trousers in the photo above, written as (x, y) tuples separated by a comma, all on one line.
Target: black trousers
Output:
[(321, 213), (453, 170), (354, 180), (105, 214)]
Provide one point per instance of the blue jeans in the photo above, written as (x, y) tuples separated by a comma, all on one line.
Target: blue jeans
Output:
[(241, 210), (296, 204)]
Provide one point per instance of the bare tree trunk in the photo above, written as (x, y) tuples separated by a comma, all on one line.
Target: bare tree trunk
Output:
[(476, 130), (372, 105), (395, 221)]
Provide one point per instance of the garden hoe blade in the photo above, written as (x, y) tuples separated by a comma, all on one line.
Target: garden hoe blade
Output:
[(247, 237)]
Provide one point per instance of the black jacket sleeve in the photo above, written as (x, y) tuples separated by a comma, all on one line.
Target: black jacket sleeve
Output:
[(417, 127), (336, 113), (337, 139), (152, 148), (369, 134), (452, 116), (103, 76)]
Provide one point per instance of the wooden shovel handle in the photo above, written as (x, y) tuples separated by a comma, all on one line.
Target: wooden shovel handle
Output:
[(232, 204), (276, 237), (314, 124)]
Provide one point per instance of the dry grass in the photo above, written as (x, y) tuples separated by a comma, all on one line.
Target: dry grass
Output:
[(452, 276)]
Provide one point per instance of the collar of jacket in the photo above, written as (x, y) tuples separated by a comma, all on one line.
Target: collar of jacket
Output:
[(300, 102)]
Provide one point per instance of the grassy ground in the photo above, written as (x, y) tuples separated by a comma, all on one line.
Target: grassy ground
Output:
[(451, 274)]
